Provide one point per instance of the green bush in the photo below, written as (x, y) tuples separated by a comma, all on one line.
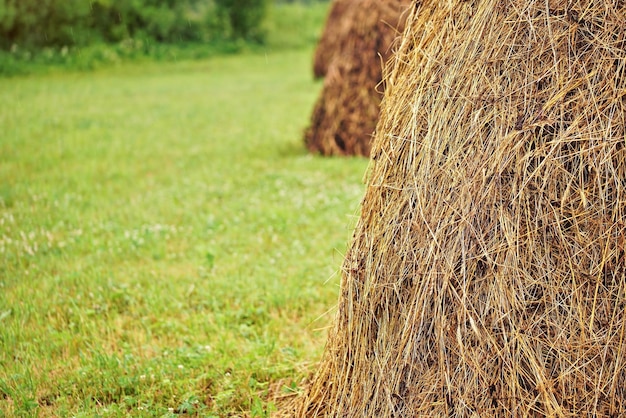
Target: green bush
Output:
[(159, 20), (43, 22), (244, 18)]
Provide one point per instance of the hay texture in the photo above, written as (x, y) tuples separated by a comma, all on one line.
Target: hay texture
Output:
[(486, 275), (337, 26), (346, 112)]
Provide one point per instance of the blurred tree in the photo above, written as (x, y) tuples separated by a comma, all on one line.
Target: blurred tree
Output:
[(244, 17), (41, 23)]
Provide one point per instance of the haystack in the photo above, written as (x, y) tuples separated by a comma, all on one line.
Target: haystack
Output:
[(346, 112), (486, 276), (337, 26)]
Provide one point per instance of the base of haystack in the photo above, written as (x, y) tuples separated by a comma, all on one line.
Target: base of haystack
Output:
[(345, 115)]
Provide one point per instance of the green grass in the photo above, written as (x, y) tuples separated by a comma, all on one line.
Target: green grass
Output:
[(167, 246)]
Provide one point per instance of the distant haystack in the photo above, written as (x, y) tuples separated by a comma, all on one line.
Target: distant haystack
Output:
[(358, 42), (487, 276), (338, 23)]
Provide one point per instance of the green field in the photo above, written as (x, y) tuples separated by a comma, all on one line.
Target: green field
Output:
[(167, 246)]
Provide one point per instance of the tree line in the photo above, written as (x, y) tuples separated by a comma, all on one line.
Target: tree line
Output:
[(50, 23)]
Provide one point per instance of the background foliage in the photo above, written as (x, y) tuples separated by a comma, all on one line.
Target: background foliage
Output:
[(84, 35), (48, 23)]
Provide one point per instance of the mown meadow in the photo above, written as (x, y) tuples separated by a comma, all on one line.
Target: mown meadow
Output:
[(167, 245)]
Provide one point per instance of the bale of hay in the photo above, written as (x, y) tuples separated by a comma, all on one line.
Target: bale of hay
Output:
[(337, 25), (346, 112), (486, 276)]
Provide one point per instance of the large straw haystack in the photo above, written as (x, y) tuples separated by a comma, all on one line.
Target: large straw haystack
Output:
[(346, 112), (338, 22), (486, 276)]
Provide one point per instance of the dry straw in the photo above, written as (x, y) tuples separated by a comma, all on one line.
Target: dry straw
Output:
[(486, 276), (357, 39)]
